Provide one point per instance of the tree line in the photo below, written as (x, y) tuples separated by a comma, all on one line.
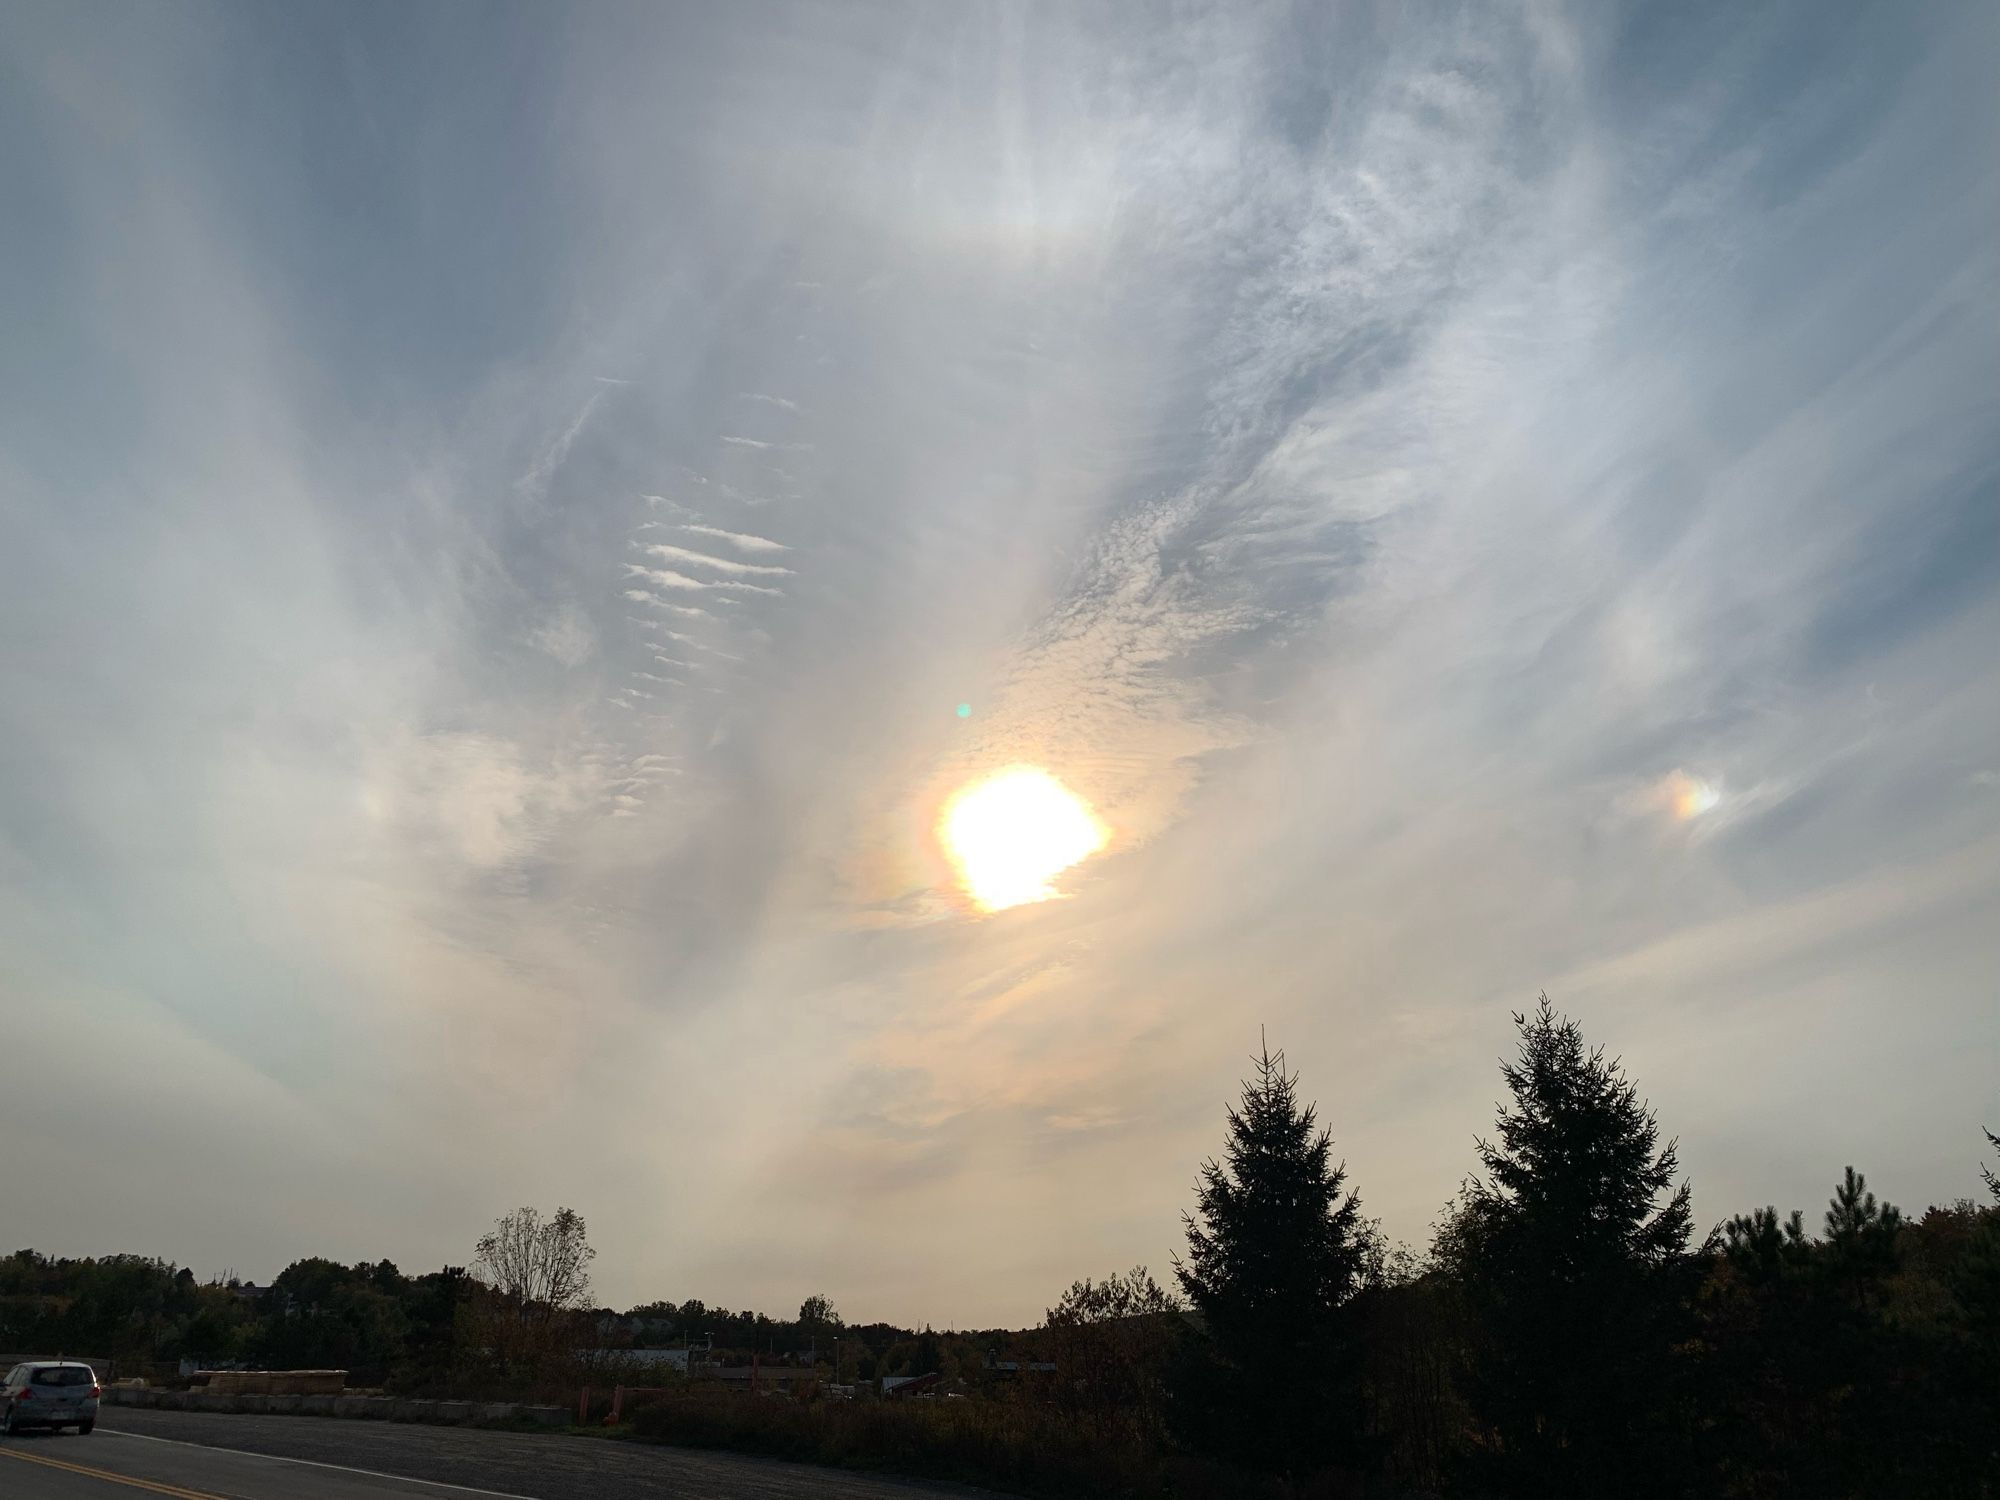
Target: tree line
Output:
[(518, 1321), (1563, 1334)]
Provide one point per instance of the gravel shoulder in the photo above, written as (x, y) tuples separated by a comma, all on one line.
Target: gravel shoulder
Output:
[(541, 1466)]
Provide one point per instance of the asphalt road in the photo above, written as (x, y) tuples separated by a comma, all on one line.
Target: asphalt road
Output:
[(213, 1456)]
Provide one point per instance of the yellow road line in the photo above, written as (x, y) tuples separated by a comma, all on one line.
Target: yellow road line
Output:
[(84, 1469)]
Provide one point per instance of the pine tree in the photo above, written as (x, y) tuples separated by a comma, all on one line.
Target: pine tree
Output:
[(1860, 1239), (1274, 1254), (1575, 1269), (1764, 1247), (1976, 1284)]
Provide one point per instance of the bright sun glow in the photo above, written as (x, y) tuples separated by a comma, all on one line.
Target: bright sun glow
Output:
[(1011, 834)]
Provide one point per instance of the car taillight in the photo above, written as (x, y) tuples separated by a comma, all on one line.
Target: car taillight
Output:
[(26, 1393), (96, 1391)]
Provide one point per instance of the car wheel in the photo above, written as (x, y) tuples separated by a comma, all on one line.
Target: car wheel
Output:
[(7, 1422), (83, 1428)]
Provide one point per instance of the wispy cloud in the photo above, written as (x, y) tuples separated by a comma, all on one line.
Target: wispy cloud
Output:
[(668, 553), (665, 606), (740, 539), (535, 480), (565, 635), (666, 578), (764, 445)]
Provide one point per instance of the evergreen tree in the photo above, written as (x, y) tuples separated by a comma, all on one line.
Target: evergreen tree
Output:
[(1274, 1253), (1764, 1247), (1811, 1387), (1860, 1239), (1976, 1287), (1576, 1271)]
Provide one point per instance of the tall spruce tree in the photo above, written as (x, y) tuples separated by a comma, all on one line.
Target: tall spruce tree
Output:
[(1577, 1272), (1275, 1251)]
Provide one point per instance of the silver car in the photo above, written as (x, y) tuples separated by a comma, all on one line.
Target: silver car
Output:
[(49, 1393)]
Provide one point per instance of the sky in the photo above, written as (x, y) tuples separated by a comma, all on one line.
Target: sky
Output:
[(501, 507)]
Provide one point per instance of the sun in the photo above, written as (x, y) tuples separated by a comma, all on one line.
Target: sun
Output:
[(1012, 833)]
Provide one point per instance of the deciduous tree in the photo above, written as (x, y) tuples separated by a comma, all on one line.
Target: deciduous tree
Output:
[(1110, 1342), (539, 1274), (541, 1266)]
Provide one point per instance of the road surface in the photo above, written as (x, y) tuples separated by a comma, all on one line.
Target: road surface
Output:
[(213, 1456)]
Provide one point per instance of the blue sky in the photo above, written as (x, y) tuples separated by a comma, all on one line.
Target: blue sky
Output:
[(502, 505)]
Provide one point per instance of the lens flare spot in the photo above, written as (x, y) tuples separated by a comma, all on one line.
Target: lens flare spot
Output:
[(1010, 834)]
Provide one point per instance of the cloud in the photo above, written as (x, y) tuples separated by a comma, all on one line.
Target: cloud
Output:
[(471, 799), (739, 539), (653, 601), (535, 481), (668, 579), (565, 635), (720, 564)]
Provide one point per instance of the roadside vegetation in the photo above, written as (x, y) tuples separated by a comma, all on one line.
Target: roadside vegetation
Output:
[(1564, 1334)]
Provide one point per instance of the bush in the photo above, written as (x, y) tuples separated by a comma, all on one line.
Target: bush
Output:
[(1014, 1446)]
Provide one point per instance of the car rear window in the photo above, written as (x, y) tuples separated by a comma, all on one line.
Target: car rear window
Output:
[(64, 1375)]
